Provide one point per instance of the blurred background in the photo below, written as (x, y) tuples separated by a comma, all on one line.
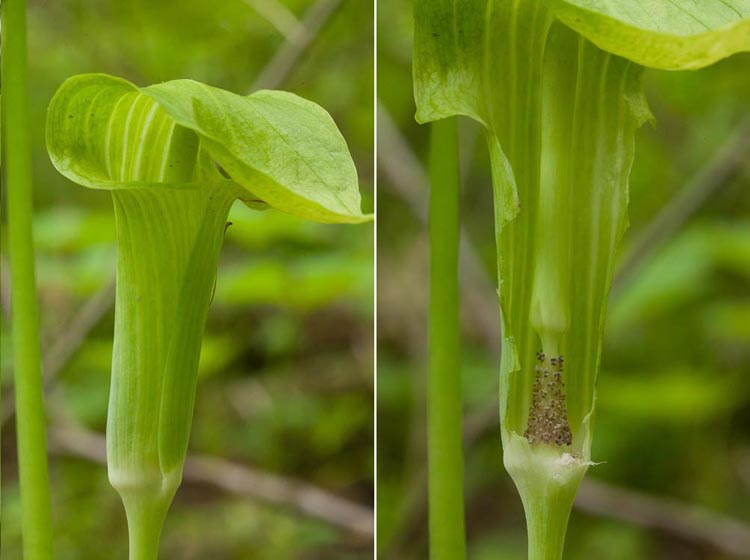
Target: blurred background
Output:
[(282, 459), (673, 409)]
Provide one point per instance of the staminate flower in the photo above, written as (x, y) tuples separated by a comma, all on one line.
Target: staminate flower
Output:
[(548, 416)]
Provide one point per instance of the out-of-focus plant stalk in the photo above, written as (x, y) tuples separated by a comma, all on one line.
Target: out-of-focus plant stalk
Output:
[(16, 166), (445, 450)]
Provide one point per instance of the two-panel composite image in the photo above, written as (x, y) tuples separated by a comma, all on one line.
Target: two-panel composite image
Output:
[(375, 279)]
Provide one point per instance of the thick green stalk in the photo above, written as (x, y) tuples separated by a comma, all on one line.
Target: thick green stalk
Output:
[(30, 419), (447, 535), (146, 514)]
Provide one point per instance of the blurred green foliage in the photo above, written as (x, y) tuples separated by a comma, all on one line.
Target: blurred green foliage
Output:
[(673, 408), (286, 368)]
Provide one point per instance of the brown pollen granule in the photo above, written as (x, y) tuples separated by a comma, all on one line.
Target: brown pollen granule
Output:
[(548, 416)]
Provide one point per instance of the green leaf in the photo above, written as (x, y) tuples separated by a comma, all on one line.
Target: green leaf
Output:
[(667, 34), (283, 148), (104, 132)]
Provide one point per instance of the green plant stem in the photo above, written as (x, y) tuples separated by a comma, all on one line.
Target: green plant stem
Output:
[(146, 515), (547, 525), (446, 507), (30, 420)]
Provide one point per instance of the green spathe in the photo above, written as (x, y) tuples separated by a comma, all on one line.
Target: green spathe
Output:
[(175, 157), (560, 133), (560, 108)]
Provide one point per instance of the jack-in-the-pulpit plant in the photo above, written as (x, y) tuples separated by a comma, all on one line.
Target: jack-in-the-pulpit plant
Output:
[(557, 86), (175, 156)]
